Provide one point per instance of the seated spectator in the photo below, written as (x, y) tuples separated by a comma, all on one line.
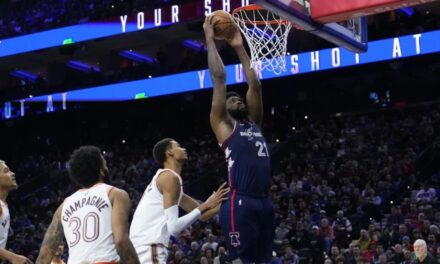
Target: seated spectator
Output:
[(364, 241), (275, 259), (407, 257), (326, 231), (289, 256), (281, 232), (396, 217), (422, 254), (194, 252), (426, 194), (208, 253), (210, 242), (317, 245), (328, 261), (221, 256), (334, 253), (299, 238), (382, 259), (204, 260), (379, 251), (342, 228)]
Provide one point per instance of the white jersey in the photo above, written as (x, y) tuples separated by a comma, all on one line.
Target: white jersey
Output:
[(149, 225), (86, 219), (5, 222)]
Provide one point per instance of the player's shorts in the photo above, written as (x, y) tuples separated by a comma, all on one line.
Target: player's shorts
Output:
[(249, 226), (152, 254)]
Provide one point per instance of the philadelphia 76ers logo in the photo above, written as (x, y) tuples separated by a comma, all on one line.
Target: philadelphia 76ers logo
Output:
[(234, 238)]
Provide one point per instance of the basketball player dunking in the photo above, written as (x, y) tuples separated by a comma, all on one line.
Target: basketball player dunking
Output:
[(247, 217), (94, 219), (7, 184), (157, 215)]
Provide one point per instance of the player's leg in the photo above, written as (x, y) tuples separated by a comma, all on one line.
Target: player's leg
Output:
[(242, 229), (153, 254), (267, 233), (159, 254)]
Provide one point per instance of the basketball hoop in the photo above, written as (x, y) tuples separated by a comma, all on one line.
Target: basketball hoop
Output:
[(266, 34)]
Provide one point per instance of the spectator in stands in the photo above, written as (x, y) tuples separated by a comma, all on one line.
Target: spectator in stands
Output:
[(426, 194), (422, 254), (204, 260), (382, 259), (397, 254), (342, 228), (334, 253), (221, 256), (194, 252), (396, 217), (326, 231), (209, 254), (275, 259), (281, 232), (407, 257), (289, 256), (210, 242), (299, 238), (317, 245), (364, 241), (379, 251)]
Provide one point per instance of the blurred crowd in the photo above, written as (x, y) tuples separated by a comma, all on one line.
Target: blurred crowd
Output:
[(29, 16), (346, 189), (22, 17)]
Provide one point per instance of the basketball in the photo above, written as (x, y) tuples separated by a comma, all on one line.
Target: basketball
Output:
[(224, 26)]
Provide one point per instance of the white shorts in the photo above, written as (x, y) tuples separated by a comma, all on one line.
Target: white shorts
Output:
[(153, 254)]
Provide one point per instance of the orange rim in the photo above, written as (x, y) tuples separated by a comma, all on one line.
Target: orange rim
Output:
[(254, 7)]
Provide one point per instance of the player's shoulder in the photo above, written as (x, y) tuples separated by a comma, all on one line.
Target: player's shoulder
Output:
[(167, 180), (117, 193), (167, 176)]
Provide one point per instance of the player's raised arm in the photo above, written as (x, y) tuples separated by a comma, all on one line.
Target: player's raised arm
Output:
[(52, 239), (120, 210), (218, 77), (254, 99)]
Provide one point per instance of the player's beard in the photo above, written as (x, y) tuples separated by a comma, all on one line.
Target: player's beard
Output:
[(106, 176), (238, 114)]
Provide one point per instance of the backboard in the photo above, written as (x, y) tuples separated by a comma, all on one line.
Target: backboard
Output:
[(342, 22), (350, 33)]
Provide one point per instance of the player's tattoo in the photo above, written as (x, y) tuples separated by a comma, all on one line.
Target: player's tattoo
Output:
[(52, 239), (128, 254)]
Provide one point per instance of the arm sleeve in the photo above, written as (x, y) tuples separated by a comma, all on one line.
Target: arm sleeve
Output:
[(175, 224)]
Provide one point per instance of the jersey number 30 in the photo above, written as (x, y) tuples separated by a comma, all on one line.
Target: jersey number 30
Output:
[(262, 149), (87, 229)]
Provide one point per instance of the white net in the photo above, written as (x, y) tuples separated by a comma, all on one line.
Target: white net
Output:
[(266, 34)]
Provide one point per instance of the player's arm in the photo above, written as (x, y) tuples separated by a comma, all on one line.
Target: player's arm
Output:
[(52, 239), (188, 204), (169, 185), (13, 258), (254, 99), (120, 209), (218, 76)]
